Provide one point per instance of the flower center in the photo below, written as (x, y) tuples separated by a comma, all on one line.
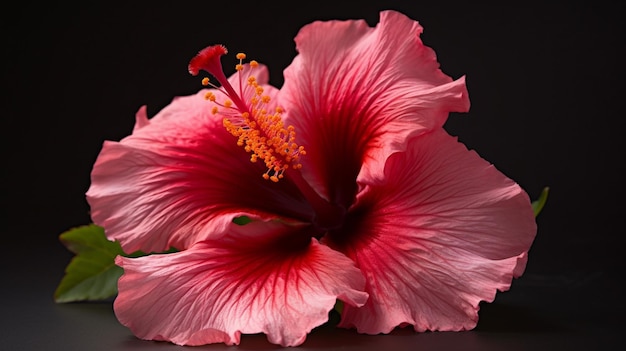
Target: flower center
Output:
[(249, 115)]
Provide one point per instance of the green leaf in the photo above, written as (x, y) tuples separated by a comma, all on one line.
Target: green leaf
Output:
[(92, 274), (242, 220), (541, 201)]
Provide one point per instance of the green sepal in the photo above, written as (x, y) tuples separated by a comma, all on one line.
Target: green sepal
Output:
[(339, 306), (541, 201), (92, 274), (242, 220), (141, 253)]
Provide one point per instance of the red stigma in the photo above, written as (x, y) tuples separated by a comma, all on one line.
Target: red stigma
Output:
[(208, 59)]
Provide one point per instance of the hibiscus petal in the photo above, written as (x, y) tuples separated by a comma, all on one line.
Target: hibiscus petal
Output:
[(247, 284), (141, 118), (181, 177), (355, 94), (446, 231)]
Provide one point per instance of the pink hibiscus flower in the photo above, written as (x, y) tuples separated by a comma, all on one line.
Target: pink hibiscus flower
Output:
[(343, 185)]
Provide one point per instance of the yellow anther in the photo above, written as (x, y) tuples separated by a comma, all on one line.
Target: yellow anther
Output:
[(257, 126), (209, 96)]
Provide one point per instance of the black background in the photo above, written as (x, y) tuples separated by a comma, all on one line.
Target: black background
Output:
[(546, 86)]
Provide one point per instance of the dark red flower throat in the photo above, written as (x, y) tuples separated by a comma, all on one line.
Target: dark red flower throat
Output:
[(260, 130)]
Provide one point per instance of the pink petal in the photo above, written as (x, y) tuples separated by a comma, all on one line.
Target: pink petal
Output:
[(355, 94), (181, 178), (247, 284), (446, 231), (141, 118)]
